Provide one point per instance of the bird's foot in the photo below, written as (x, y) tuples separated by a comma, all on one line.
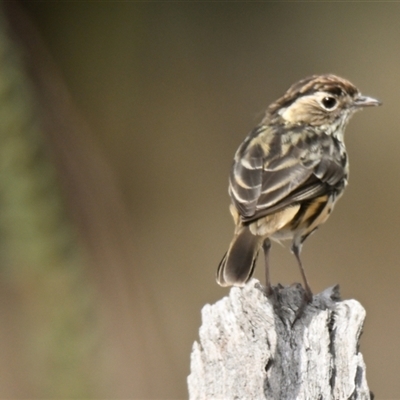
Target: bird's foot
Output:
[(289, 302), (307, 299)]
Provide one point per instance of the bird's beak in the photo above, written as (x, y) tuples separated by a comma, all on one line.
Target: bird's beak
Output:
[(365, 101)]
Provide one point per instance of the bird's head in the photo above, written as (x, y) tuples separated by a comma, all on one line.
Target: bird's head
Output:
[(321, 101)]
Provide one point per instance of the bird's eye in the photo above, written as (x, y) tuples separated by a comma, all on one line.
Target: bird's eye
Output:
[(329, 102)]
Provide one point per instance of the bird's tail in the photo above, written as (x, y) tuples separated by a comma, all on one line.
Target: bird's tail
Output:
[(237, 266)]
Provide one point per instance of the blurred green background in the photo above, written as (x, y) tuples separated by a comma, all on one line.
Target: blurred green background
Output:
[(164, 92)]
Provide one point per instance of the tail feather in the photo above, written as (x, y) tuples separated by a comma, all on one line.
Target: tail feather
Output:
[(237, 265)]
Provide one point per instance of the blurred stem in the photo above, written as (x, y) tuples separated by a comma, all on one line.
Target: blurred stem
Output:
[(39, 253)]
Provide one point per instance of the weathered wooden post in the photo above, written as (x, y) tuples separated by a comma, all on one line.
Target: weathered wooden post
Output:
[(252, 348)]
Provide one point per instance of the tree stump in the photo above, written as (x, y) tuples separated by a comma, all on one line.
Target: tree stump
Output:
[(252, 347)]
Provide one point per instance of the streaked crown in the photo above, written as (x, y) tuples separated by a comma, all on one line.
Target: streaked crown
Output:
[(319, 100)]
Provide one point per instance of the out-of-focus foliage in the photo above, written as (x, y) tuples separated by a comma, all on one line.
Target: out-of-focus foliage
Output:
[(40, 257)]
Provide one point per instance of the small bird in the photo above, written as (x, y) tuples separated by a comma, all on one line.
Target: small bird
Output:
[(288, 173)]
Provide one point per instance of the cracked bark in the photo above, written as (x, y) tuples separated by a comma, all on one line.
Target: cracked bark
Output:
[(252, 348)]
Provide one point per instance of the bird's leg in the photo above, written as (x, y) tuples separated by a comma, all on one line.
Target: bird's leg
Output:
[(266, 247), (296, 248)]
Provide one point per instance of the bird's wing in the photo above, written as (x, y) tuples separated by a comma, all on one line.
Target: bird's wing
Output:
[(274, 169)]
